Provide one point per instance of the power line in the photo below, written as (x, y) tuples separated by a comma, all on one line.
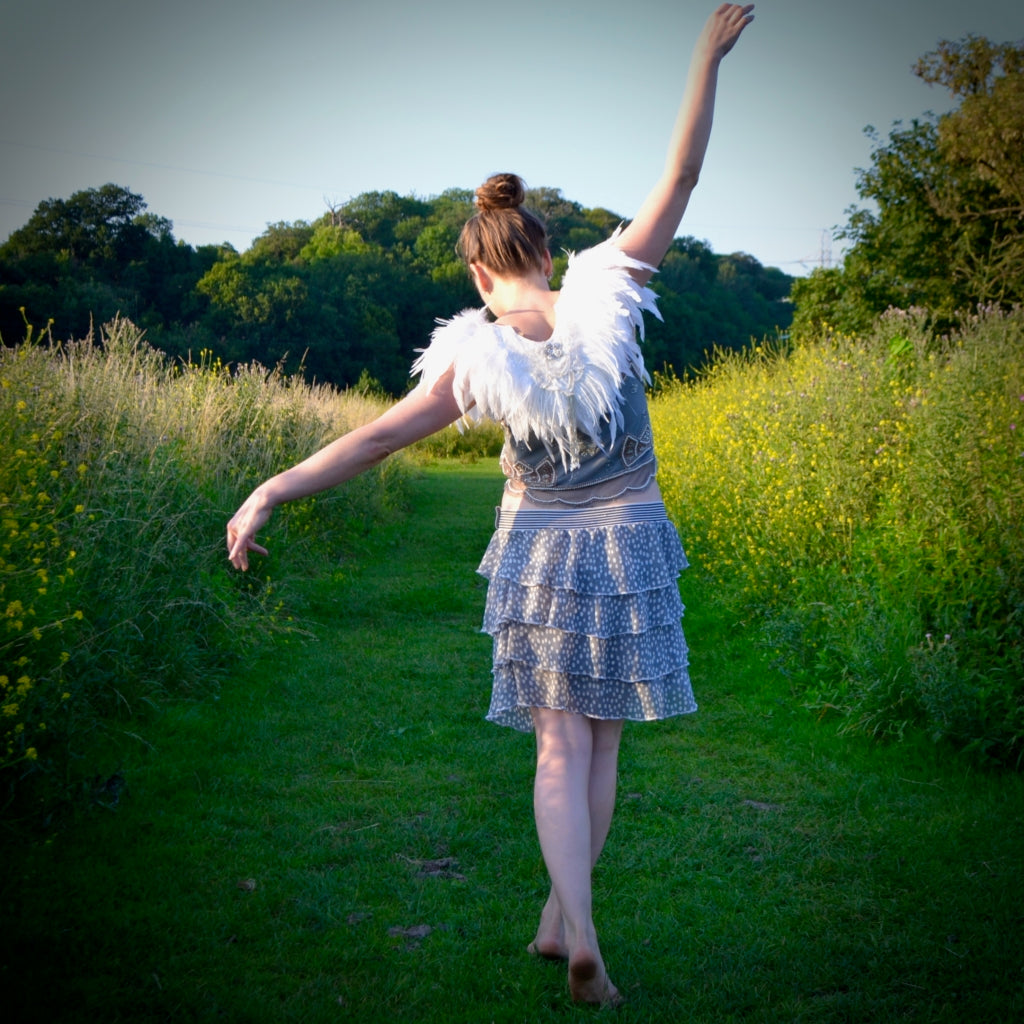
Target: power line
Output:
[(823, 260), (61, 151)]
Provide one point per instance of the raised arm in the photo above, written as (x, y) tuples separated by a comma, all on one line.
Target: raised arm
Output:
[(648, 236), (416, 416)]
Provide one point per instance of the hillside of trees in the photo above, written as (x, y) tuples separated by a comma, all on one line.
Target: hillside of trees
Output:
[(349, 296)]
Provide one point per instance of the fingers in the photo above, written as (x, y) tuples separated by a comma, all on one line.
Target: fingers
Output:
[(239, 548), (239, 556), (736, 17), (726, 24), (242, 529)]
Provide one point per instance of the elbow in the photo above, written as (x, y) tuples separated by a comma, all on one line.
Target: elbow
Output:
[(686, 180), (385, 442), (377, 452), (373, 443)]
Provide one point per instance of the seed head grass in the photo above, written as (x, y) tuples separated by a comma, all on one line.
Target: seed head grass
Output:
[(119, 471), (861, 498)]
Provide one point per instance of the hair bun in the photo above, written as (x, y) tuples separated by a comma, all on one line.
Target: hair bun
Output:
[(500, 192)]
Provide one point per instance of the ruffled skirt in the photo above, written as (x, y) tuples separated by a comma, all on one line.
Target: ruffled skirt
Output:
[(584, 609)]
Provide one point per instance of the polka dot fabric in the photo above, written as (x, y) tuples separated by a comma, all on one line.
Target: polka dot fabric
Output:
[(587, 620)]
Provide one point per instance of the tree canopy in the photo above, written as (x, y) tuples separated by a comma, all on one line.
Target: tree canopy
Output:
[(946, 230), (352, 294)]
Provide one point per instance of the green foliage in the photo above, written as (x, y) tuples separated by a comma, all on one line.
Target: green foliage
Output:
[(118, 473), (862, 497), (944, 230), (358, 290), (96, 256), (712, 302), (95, 227), (469, 444)]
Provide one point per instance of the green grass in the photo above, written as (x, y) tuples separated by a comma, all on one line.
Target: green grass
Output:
[(279, 852)]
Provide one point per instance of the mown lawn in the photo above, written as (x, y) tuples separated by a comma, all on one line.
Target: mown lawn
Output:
[(339, 836)]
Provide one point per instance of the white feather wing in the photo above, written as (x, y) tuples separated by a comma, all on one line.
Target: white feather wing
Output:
[(555, 389)]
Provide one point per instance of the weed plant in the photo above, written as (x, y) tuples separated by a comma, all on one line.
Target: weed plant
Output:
[(864, 497), (119, 470)]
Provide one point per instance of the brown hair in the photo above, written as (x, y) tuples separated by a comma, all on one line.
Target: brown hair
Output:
[(503, 235)]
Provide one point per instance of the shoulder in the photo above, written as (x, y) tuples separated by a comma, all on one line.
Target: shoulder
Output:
[(607, 260), (481, 354), (448, 339), (598, 288)]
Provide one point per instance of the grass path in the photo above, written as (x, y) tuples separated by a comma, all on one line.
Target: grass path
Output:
[(341, 837)]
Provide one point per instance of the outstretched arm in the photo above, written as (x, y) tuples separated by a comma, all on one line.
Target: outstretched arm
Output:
[(648, 236), (416, 416)]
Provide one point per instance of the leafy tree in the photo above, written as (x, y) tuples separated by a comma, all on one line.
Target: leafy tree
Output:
[(348, 297), (94, 227), (281, 242), (983, 143), (710, 301), (948, 229), (84, 259), (377, 216)]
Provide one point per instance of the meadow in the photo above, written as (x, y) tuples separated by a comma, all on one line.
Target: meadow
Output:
[(272, 797), (857, 501), (861, 501), (114, 596)]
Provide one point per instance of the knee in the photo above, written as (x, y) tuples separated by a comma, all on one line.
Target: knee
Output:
[(607, 735), (553, 750)]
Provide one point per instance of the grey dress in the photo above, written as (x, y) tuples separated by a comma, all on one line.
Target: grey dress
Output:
[(582, 601)]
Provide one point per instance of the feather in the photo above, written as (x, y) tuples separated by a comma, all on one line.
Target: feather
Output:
[(558, 389)]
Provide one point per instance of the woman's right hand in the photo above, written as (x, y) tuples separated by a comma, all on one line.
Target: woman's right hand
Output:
[(243, 527)]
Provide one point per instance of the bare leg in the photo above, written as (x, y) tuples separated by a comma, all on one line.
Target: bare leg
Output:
[(550, 938), (574, 796)]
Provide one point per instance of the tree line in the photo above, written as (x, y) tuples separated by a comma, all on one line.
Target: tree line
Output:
[(347, 297), (943, 228), (353, 294)]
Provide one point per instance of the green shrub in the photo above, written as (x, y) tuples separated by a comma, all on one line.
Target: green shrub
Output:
[(475, 441), (864, 497)]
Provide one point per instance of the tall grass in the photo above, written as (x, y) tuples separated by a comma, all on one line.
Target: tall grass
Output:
[(864, 497), (464, 442), (860, 497), (119, 469)]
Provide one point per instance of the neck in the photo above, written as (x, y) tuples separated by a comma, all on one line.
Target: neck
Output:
[(519, 295)]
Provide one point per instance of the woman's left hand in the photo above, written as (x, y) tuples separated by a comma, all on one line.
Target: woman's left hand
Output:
[(724, 26)]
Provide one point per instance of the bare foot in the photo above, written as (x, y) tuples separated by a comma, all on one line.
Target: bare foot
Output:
[(548, 951), (589, 983), (550, 940)]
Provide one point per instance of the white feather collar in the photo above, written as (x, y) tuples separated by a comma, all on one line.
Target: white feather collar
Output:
[(556, 388)]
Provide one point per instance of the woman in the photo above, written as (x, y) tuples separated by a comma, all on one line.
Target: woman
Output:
[(582, 599)]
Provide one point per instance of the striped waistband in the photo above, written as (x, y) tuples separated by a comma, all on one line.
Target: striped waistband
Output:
[(579, 518)]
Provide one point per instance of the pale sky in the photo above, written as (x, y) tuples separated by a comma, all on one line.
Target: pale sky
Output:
[(229, 115)]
